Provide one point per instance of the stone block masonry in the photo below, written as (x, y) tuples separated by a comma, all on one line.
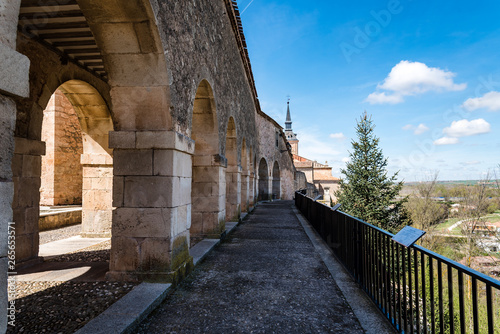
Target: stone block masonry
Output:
[(150, 233), (61, 169), (166, 75), (14, 72)]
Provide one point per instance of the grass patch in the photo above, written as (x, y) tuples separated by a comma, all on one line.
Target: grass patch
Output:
[(447, 223), (493, 218)]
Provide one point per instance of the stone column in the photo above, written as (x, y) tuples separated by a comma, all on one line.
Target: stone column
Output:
[(251, 188), (245, 184), (233, 193), (152, 196), (269, 188), (97, 195), (208, 196), (26, 169), (14, 72)]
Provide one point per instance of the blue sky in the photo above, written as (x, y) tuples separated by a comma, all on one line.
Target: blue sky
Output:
[(429, 74)]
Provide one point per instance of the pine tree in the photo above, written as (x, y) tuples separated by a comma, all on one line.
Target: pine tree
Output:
[(365, 190)]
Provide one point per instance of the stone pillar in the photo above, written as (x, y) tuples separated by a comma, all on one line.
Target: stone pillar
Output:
[(208, 196), (152, 196), (26, 168), (251, 189), (7, 124), (233, 193), (97, 195), (270, 188), (245, 184), (14, 71)]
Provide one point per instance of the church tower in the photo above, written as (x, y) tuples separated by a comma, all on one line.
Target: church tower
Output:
[(290, 136)]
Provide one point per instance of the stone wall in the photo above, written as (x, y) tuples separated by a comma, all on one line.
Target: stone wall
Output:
[(267, 129), (300, 180), (61, 182), (327, 188), (155, 54), (60, 218), (200, 44)]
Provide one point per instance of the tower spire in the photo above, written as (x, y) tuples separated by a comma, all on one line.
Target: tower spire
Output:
[(290, 136), (288, 122)]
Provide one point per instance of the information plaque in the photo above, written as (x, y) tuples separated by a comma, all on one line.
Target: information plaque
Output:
[(408, 236)]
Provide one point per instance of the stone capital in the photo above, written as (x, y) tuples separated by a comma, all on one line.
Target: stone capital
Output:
[(219, 160), (14, 71), (96, 159), (166, 140), (29, 146)]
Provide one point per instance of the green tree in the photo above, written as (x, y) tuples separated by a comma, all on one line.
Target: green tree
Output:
[(366, 191)]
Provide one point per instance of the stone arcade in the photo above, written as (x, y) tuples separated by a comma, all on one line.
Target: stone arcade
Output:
[(174, 143)]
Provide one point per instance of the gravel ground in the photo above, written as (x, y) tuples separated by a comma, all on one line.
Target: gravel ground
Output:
[(266, 278), (64, 307), (60, 233)]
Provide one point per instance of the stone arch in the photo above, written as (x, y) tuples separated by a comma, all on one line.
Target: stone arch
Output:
[(233, 173), (133, 57), (97, 158), (94, 116), (129, 69), (276, 191), (95, 122), (263, 180), (245, 177), (207, 201)]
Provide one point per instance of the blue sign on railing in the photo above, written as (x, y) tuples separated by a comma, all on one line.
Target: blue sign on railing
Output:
[(408, 236)]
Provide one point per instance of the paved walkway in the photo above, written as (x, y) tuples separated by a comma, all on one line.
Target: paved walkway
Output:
[(69, 245), (266, 278)]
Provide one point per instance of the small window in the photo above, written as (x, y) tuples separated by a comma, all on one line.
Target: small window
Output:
[(327, 190), (277, 139)]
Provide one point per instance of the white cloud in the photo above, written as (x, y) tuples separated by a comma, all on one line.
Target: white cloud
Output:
[(412, 78), (421, 128), (345, 159), (339, 135), (446, 141), (381, 98), (490, 101), (465, 128)]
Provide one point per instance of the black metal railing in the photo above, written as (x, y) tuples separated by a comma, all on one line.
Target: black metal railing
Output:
[(418, 290)]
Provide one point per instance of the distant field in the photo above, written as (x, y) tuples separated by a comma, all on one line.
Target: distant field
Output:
[(451, 183)]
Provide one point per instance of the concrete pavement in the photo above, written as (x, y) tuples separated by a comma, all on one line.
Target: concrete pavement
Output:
[(267, 277)]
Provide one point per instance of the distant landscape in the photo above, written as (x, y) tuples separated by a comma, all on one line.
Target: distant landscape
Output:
[(461, 218)]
